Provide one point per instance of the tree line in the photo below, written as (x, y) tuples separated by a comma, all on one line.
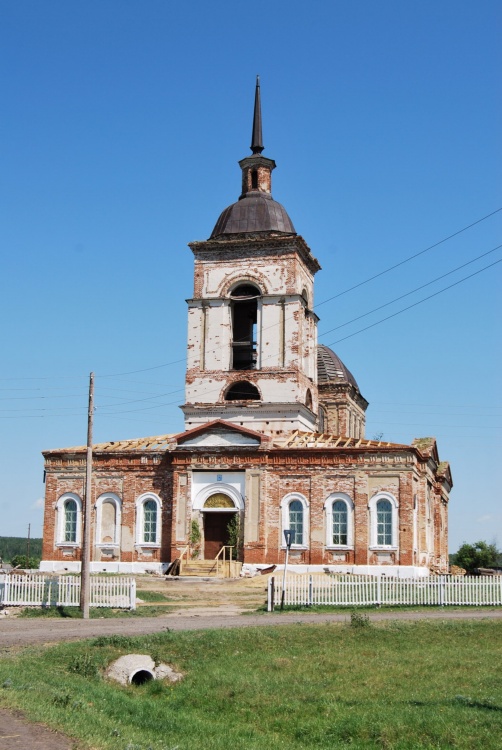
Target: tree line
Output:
[(17, 546)]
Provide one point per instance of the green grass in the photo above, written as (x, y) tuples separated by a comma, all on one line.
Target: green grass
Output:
[(151, 596), (96, 613), (396, 686)]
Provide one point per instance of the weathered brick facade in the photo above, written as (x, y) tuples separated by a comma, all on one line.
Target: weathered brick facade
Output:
[(271, 469), (274, 431)]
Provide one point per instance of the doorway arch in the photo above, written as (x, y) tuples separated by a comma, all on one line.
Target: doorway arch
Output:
[(217, 505)]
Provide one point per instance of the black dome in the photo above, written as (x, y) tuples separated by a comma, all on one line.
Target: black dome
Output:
[(330, 368), (255, 212)]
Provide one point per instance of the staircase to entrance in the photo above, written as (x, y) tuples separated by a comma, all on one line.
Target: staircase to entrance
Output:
[(223, 566)]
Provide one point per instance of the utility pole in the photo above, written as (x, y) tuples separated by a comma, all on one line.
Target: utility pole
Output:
[(28, 548), (86, 541)]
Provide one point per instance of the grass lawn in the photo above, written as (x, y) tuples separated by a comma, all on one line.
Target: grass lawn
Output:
[(398, 686), (95, 613)]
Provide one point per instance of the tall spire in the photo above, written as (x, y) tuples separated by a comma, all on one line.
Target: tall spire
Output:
[(257, 137)]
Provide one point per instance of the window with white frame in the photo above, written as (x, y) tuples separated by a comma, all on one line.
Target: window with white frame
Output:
[(384, 520), (69, 520), (148, 508), (150, 521), (296, 521), (339, 520), (108, 519), (295, 517)]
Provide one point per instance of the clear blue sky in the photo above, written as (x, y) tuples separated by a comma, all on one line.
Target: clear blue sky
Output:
[(123, 122)]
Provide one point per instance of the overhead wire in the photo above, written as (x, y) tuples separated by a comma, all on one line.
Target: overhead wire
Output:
[(339, 294), (412, 291), (213, 390), (329, 299), (156, 367), (415, 304)]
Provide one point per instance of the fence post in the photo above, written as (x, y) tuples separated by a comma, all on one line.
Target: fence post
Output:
[(309, 602), (270, 594), (379, 592), (133, 593)]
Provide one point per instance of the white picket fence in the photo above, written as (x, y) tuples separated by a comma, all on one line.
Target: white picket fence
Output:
[(366, 590), (64, 591)]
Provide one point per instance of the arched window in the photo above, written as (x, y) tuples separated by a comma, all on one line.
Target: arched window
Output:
[(296, 521), (384, 520), (219, 500), (244, 307), (308, 399), (242, 391), (69, 520), (295, 512), (108, 519), (339, 520), (148, 520)]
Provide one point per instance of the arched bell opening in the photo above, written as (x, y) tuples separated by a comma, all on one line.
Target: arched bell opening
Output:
[(244, 307)]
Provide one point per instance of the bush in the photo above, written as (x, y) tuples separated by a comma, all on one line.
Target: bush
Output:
[(23, 561), (359, 620), (478, 555)]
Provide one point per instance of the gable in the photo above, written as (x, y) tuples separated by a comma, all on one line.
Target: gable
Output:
[(219, 434), (215, 438)]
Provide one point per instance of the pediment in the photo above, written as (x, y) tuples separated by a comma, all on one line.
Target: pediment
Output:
[(219, 434)]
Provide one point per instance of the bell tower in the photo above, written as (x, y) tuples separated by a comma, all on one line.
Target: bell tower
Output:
[(252, 334)]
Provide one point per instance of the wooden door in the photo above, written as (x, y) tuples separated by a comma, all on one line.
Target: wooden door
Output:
[(215, 533)]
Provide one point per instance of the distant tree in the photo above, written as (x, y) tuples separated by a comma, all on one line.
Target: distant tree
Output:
[(478, 555), (17, 545), (23, 561)]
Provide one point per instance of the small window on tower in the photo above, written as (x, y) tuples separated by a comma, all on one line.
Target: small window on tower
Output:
[(308, 399), (254, 179)]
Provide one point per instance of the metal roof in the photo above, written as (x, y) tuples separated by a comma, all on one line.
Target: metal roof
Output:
[(330, 368), (255, 212)]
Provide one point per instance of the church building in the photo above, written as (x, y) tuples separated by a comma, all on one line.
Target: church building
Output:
[(274, 435)]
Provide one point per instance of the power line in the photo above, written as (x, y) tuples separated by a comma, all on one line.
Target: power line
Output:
[(361, 330), (407, 294), (407, 260), (161, 395), (213, 390), (340, 294)]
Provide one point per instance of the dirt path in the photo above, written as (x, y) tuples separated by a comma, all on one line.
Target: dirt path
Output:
[(16, 733), (20, 632)]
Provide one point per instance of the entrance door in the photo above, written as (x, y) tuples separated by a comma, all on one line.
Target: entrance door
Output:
[(215, 533)]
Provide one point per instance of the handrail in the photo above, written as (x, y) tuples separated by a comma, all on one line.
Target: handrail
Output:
[(218, 556), (184, 552)]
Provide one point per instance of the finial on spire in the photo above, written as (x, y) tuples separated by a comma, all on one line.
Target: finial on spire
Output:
[(257, 137)]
